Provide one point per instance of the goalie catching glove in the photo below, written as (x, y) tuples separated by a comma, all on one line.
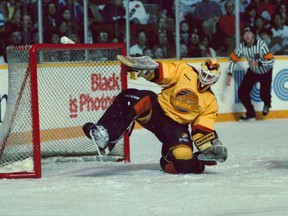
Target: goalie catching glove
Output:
[(211, 148), (143, 66)]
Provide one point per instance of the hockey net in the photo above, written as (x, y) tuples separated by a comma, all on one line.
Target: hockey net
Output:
[(53, 91)]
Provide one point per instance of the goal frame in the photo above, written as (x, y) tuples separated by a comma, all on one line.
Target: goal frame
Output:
[(32, 72)]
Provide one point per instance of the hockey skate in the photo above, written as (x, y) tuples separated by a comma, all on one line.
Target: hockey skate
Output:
[(100, 137), (217, 153)]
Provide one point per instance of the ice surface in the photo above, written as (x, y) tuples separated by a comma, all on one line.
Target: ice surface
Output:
[(253, 181)]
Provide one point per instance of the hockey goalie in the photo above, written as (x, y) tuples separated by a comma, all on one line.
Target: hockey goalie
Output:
[(184, 112)]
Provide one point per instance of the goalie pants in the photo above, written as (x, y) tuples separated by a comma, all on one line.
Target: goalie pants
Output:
[(123, 112), (143, 106), (169, 132), (172, 135)]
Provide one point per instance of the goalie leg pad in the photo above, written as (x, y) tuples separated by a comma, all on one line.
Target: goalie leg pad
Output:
[(119, 118), (126, 107), (193, 165), (181, 160)]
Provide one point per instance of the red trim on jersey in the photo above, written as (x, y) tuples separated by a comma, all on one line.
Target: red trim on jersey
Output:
[(197, 128), (159, 72)]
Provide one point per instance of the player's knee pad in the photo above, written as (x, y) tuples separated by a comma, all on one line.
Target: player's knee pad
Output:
[(181, 160), (182, 152), (192, 165)]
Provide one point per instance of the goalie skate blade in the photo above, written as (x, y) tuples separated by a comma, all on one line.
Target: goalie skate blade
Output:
[(108, 149)]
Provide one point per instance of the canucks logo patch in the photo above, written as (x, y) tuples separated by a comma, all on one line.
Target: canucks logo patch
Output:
[(185, 101), (184, 138)]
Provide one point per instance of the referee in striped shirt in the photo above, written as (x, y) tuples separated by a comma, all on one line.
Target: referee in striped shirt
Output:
[(260, 60)]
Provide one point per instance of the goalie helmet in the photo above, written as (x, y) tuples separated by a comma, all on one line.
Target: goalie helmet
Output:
[(209, 73)]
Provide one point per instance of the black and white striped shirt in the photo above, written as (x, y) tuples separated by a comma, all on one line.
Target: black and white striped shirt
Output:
[(258, 52)]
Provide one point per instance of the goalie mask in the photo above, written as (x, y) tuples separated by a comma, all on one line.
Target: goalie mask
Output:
[(209, 73)]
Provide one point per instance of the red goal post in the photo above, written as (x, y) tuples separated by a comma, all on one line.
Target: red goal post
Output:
[(53, 91)]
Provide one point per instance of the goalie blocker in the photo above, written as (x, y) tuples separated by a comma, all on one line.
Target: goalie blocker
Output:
[(212, 148)]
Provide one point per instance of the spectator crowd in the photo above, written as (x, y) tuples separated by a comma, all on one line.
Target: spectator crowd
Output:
[(207, 27)]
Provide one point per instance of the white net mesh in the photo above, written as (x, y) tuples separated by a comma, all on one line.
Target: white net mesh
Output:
[(73, 87)]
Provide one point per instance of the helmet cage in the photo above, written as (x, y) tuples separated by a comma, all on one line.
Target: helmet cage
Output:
[(209, 73)]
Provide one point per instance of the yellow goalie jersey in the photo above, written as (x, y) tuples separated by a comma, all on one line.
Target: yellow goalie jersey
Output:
[(180, 97)]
